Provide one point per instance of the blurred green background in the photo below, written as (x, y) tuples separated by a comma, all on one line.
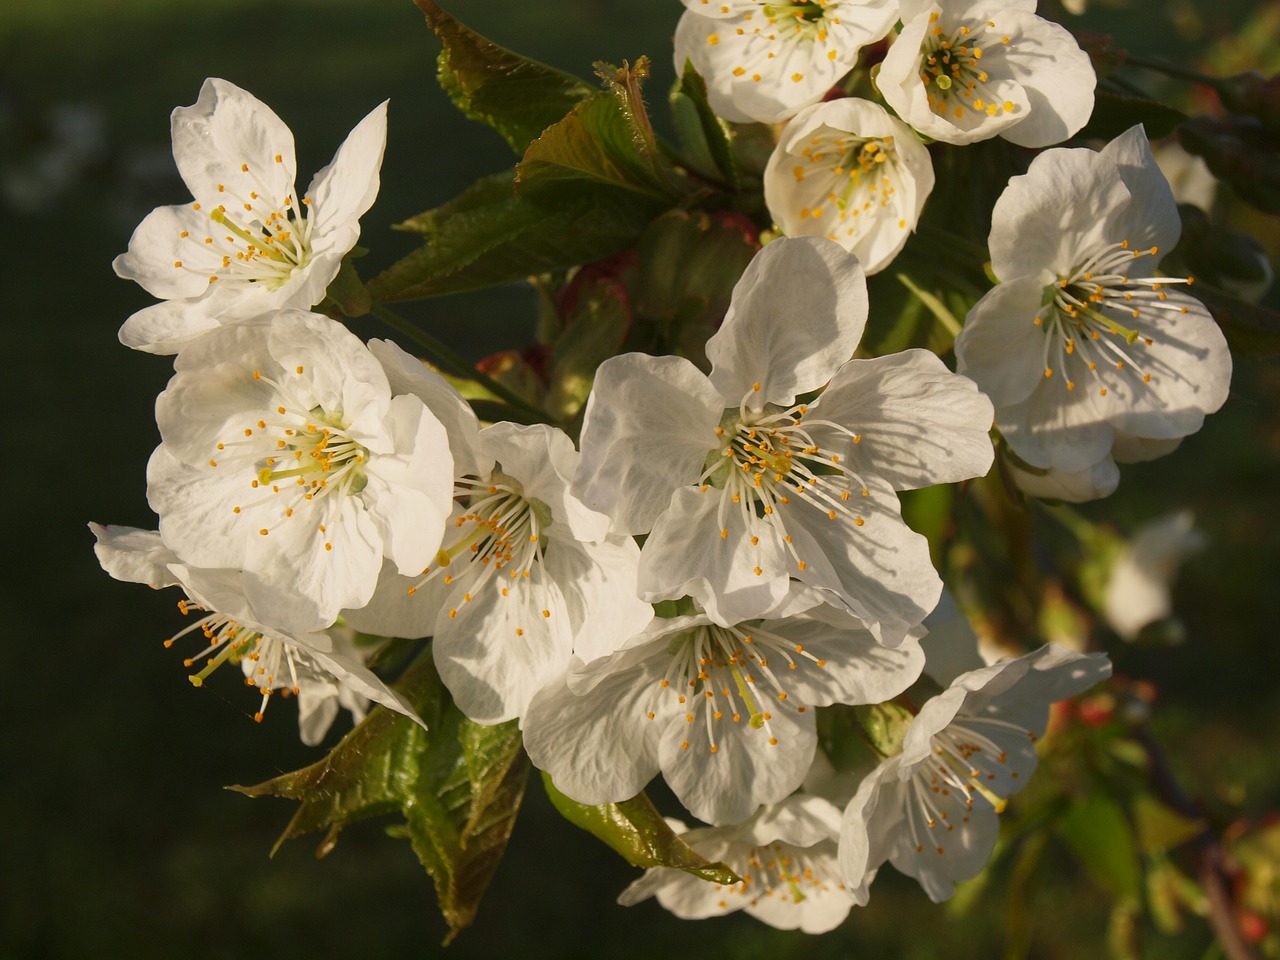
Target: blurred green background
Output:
[(116, 839)]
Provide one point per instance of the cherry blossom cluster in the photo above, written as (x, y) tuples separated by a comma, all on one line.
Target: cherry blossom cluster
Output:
[(721, 553)]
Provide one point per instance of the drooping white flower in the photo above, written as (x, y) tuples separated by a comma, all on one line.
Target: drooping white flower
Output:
[(1084, 351), (323, 670), (931, 810), (285, 455), (741, 485), (248, 243), (848, 171), (1138, 590), (967, 70), (525, 576), (764, 61), (725, 713), (786, 856)]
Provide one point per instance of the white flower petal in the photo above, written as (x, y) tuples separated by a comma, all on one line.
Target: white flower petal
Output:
[(648, 427), (343, 191), (797, 314), (1002, 347)]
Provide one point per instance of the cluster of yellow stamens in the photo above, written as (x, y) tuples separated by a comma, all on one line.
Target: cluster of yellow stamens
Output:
[(258, 238), (1098, 313), (499, 534), (952, 71), (780, 871), (232, 642), (965, 762), (857, 171), (784, 22), (296, 456), (769, 458), (730, 673)]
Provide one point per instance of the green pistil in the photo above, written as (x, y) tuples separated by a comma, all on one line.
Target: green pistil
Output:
[(229, 649), (256, 243), (739, 681)]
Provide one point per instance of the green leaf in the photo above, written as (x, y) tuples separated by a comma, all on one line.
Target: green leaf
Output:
[(1096, 830), (701, 132), (347, 291), (635, 829), (598, 142), (1160, 827), (1114, 113), (515, 96), (458, 788), (489, 236), (594, 331)]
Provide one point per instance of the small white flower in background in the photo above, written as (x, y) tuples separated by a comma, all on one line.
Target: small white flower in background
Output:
[(764, 61), (323, 670), (725, 713), (1188, 175), (741, 485), (248, 243), (285, 455), (1076, 486), (786, 856), (525, 576), (848, 171), (931, 810), (1084, 351), (1138, 590), (962, 71)]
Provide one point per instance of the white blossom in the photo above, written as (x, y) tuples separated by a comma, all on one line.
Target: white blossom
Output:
[(741, 485), (1086, 353), (785, 854), (931, 810), (725, 713), (323, 670), (285, 455), (248, 243), (848, 171), (764, 61), (967, 70)]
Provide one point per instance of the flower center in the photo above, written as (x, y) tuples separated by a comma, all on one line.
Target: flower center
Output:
[(296, 455), (951, 69), (769, 457), (500, 531), (728, 672), (965, 761), (1095, 315), (259, 238), (783, 872), (857, 168)]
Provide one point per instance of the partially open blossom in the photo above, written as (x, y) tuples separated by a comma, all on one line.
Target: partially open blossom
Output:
[(249, 243), (741, 485), (786, 856), (285, 455), (764, 61), (525, 575), (323, 670), (966, 70), (1085, 351), (849, 171), (725, 713), (931, 810)]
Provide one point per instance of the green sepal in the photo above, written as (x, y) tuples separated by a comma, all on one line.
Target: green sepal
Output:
[(517, 97), (702, 133), (458, 788), (636, 830), (348, 291)]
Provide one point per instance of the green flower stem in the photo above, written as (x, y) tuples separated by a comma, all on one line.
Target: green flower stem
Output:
[(445, 355)]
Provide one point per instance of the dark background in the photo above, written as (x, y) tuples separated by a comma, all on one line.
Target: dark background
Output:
[(116, 839)]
